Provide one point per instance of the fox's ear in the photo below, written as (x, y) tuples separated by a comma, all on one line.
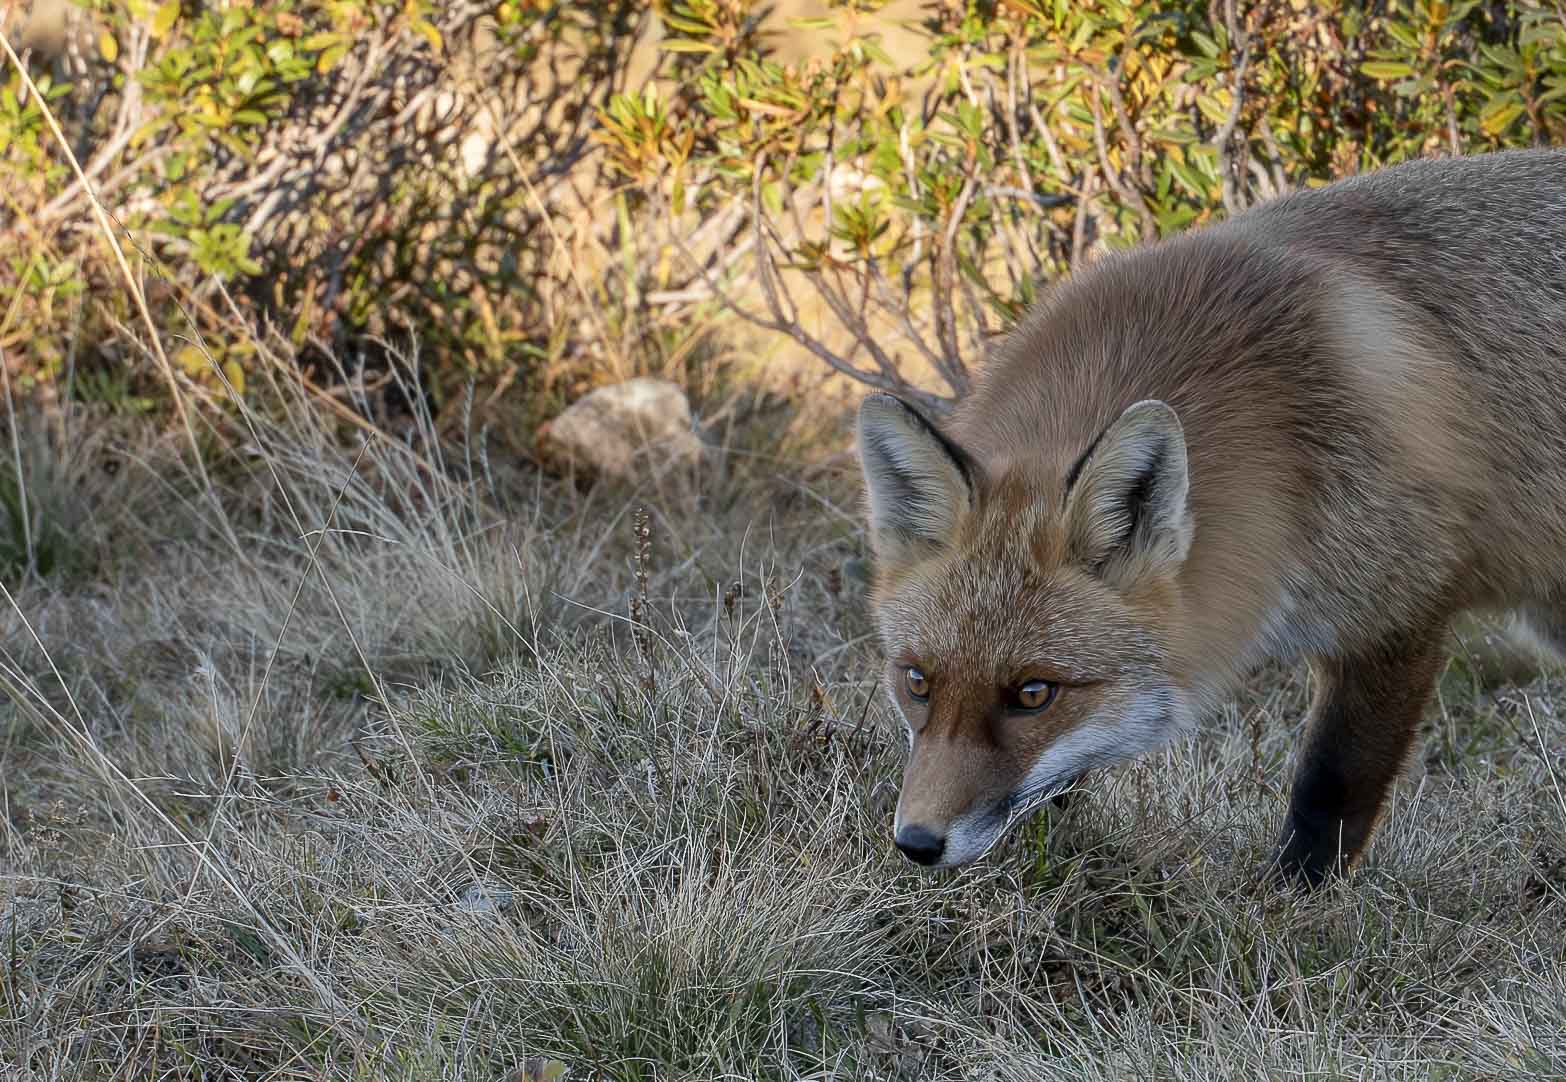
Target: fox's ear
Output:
[(920, 484), (1127, 508)]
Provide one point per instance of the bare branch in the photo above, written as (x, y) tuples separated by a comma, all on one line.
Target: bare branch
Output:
[(952, 368), (785, 322), (1079, 226), (1138, 162), (1126, 192), (1280, 176), (1233, 200)]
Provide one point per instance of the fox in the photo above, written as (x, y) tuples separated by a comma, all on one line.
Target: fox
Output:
[(1317, 430)]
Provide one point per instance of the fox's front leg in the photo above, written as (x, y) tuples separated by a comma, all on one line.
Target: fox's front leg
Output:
[(1362, 723)]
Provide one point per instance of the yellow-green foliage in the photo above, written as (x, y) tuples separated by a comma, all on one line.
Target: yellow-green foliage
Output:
[(353, 168), (1034, 127), (349, 169)]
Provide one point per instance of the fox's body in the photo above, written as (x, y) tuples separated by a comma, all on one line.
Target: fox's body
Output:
[(1320, 429)]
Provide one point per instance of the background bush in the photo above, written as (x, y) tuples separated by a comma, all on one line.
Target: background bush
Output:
[(547, 196)]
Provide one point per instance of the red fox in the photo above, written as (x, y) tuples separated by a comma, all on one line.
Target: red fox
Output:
[(1320, 429)]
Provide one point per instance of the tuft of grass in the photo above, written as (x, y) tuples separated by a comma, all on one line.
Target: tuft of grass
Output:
[(64, 496)]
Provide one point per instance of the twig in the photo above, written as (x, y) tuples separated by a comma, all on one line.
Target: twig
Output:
[(1138, 162), (1079, 225), (780, 323), (1127, 192), (1002, 191), (127, 118), (886, 379), (548, 219), (832, 298), (21, 477), (1222, 140), (952, 367), (1280, 177)]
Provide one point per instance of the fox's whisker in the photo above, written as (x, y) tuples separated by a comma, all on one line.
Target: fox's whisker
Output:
[(1021, 804)]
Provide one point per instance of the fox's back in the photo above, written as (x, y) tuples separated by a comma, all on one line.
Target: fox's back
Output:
[(1477, 244), (1474, 248)]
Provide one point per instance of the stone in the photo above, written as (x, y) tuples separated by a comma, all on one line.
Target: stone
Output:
[(628, 431)]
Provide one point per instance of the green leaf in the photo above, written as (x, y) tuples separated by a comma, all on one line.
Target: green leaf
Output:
[(1386, 69), (1404, 34), (1213, 109), (328, 59), (430, 33), (1499, 115), (1502, 57), (874, 51), (690, 26), (539, 1069), (164, 18), (1194, 183), (323, 40), (191, 359), (684, 45), (1413, 88)]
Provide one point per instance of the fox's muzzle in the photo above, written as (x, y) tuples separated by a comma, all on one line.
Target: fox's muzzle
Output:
[(964, 838), (920, 845)]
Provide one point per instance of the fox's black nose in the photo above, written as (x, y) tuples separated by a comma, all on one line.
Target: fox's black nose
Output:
[(919, 845)]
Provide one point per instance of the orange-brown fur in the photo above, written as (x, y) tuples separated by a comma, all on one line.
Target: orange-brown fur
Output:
[(1367, 381)]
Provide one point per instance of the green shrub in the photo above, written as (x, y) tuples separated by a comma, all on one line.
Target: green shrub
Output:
[(935, 196), (349, 169), (481, 178)]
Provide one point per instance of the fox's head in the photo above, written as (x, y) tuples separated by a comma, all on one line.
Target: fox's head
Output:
[(1023, 609)]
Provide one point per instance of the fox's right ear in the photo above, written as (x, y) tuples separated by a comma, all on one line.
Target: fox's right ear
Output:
[(920, 484), (1127, 507)]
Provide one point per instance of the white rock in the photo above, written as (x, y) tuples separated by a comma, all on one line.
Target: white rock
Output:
[(628, 430)]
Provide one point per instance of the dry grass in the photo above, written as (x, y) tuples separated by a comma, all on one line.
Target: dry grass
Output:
[(408, 799)]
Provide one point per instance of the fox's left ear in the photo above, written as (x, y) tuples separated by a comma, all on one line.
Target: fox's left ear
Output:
[(920, 484), (1127, 509)]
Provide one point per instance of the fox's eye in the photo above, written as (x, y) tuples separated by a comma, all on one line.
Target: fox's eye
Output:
[(918, 686), (1035, 695)]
